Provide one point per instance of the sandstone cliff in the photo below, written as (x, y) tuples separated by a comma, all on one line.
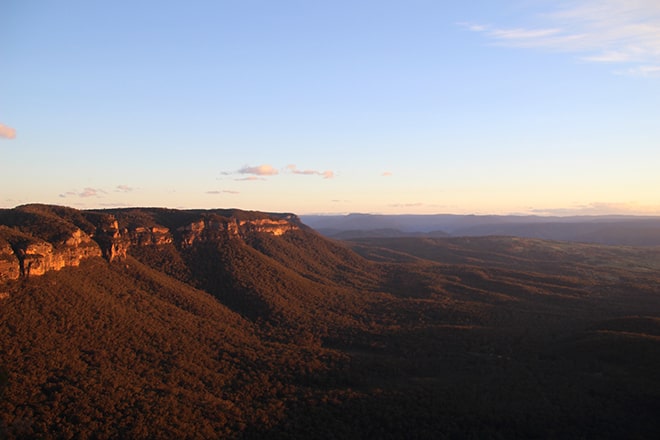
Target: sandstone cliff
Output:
[(35, 239), (9, 267), (214, 228), (24, 254)]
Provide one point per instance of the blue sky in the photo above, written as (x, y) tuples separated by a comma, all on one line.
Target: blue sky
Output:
[(413, 106)]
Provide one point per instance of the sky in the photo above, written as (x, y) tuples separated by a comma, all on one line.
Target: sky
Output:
[(333, 106)]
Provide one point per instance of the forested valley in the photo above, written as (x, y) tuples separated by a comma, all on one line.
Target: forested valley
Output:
[(234, 324)]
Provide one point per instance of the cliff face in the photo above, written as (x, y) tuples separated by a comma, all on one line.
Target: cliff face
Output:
[(23, 254), (35, 239), (214, 229), (9, 268), (271, 226), (145, 236), (114, 245)]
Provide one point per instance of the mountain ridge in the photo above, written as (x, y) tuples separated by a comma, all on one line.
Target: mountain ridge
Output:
[(41, 238), (265, 266), (601, 229)]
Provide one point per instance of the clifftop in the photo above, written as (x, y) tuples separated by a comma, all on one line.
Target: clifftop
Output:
[(35, 239)]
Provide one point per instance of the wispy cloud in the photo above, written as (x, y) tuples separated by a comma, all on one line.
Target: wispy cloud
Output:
[(598, 31), (124, 188), (386, 173), (249, 179), (645, 71), (91, 192), (85, 193), (224, 191), (260, 170), (528, 35), (327, 174), (7, 132)]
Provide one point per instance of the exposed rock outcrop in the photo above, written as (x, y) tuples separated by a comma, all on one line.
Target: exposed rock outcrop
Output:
[(77, 247), (35, 239), (9, 267), (212, 229), (207, 230), (146, 236), (36, 258), (114, 245), (23, 254), (270, 226)]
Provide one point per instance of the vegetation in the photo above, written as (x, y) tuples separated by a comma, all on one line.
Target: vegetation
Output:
[(296, 336)]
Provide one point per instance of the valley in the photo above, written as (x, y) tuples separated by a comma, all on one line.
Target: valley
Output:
[(157, 323)]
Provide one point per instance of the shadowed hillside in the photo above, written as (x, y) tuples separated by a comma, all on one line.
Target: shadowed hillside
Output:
[(158, 323)]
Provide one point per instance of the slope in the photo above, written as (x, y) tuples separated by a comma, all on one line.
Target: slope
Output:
[(298, 283), (121, 351)]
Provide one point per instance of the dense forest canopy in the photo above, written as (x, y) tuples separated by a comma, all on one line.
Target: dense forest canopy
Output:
[(232, 324)]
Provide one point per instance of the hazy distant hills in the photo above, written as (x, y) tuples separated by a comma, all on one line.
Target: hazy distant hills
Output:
[(615, 230), (156, 323)]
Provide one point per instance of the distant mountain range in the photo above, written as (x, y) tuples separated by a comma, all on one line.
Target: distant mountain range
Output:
[(614, 230)]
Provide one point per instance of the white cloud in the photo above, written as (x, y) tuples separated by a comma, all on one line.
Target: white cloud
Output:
[(643, 71), (124, 188), (7, 132), (87, 192), (609, 57), (524, 34), (328, 174), (598, 31), (90, 192), (260, 170)]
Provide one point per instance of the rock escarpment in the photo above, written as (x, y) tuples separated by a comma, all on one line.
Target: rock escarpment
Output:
[(35, 239), (113, 243), (9, 267), (215, 228), (24, 254), (145, 236)]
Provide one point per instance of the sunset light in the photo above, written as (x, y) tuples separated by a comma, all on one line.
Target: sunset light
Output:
[(333, 107)]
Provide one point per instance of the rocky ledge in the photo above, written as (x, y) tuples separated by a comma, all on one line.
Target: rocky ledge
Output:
[(35, 239), (213, 228)]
